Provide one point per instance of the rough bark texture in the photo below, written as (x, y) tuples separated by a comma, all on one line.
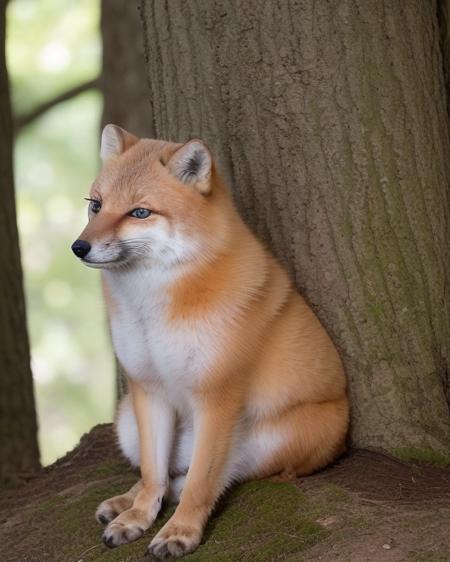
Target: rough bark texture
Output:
[(330, 121), (124, 81), (18, 429), (443, 13)]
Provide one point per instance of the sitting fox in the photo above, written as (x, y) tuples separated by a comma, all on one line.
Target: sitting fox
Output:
[(231, 376)]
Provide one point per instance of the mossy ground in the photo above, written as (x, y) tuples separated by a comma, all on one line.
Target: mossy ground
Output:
[(411, 454), (347, 513), (256, 521)]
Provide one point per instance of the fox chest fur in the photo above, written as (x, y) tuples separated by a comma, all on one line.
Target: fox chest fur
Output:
[(150, 346)]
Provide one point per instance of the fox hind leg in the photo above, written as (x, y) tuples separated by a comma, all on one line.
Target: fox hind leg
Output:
[(303, 440)]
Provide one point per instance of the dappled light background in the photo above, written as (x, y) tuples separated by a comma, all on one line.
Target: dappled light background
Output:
[(53, 45)]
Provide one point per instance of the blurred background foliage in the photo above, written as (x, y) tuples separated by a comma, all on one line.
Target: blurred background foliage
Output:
[(52, 46)]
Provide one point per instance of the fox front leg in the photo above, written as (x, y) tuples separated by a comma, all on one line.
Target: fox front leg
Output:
[(155, 421), (205, 480)]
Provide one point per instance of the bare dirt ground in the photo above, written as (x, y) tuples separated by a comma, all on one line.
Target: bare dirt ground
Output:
[(367, 507)]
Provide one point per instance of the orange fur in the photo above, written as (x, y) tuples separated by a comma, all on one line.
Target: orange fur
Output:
[(274, 364)]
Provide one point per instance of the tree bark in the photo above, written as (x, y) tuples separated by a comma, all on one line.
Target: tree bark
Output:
[(18, 428), (123, 83), (329, 120), (443, 12)]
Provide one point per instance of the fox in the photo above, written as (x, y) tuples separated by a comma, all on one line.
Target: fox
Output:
[(230, 374)]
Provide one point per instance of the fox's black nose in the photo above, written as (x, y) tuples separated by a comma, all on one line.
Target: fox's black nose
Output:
[(81, 248)]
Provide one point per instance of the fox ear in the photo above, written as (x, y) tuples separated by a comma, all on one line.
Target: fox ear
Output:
[(115, 140), (191, 164)]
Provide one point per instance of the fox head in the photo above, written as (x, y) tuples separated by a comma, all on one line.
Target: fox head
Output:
[(153, 203)]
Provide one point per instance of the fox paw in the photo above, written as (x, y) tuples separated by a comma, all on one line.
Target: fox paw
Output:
[(127, 527), (110, 509), (174, 541), (105, 513)]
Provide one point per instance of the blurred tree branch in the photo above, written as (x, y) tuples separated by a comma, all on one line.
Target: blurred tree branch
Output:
[(21, 121)]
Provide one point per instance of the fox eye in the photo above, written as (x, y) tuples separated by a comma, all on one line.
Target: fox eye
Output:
[(140, 213), (94, 206)]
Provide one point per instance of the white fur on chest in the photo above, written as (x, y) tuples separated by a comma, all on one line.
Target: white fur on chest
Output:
[(150, 347)]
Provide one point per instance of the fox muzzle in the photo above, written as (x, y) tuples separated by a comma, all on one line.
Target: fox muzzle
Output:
[(81, 248)]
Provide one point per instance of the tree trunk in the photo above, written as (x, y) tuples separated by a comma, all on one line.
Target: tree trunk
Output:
[(124, 79), (18, 428), (123, 83), (330, 121), (443, 11)]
